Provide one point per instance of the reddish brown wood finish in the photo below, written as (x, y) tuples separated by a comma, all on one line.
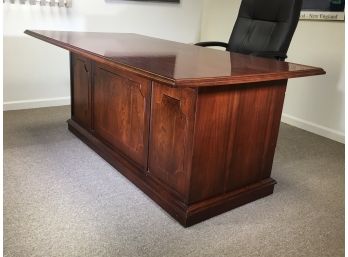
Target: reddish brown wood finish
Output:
[(172, 63), (235, 134), (81, 104), (121, 108), (171, 131), (195, 129)]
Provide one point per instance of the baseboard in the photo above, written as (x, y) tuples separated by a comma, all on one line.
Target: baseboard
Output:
[(37, 103), (314, 128)]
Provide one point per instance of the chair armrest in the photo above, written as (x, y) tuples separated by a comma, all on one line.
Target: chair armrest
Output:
[(271, 54), (212, 43)]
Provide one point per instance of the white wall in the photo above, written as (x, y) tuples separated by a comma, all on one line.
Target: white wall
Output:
[(316, 103), (37, 74)]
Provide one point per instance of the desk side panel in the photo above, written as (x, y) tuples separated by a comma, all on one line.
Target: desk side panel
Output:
[(81, 90), (235, 137), (171, 135)]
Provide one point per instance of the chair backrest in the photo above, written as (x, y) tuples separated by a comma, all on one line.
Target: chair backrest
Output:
[(265, 25)]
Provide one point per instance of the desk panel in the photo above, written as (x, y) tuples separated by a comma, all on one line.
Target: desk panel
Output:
[(121, 108)]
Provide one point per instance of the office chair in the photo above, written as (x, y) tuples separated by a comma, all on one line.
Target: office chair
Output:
[(263, 28)]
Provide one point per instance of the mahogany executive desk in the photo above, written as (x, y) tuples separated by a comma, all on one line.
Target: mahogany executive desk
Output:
[(192, 127)]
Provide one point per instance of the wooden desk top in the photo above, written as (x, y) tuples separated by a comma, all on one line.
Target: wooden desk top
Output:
[(176, 64)]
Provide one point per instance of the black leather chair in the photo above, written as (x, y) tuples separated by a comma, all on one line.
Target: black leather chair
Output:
[(263, 28)]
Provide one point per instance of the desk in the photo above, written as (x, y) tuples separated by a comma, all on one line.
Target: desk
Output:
[(194, 128)]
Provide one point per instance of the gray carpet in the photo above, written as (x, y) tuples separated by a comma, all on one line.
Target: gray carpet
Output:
[(62, 199)]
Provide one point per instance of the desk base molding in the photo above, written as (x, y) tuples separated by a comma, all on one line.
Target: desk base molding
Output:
[(186, 215)]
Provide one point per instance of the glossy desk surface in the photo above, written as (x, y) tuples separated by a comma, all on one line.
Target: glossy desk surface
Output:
[(177, 64)]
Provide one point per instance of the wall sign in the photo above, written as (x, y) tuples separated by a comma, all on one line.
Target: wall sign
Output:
[(328, 10)]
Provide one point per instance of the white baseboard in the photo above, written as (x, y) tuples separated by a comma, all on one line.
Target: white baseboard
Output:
[(37, 103), (314, 128)]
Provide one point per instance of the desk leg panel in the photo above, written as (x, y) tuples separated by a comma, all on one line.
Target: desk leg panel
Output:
[(81, 90), (236, 131), (171, 135)]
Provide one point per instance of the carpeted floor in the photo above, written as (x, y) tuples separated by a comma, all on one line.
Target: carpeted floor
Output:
[(62, 199)]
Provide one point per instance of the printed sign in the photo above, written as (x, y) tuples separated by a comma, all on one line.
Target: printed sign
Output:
[(328, 10)]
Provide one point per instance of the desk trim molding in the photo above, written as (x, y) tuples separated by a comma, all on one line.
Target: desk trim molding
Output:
[(196, 82), (187, 215)]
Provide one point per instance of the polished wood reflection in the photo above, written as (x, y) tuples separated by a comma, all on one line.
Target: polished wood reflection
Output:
[(173, 63)]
